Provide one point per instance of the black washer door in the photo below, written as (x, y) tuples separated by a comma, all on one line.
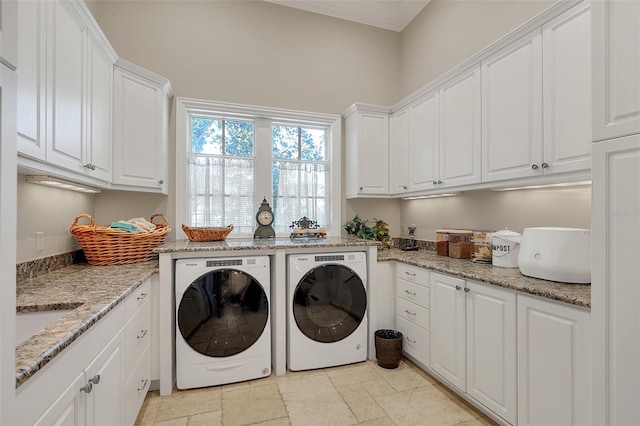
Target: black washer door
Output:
[(329, 303), (223, 313)]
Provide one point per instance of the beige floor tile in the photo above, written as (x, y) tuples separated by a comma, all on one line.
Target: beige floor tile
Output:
[(403, 378), (386, 421), (360, 402), (283, 421), (147, 414), (181, 421), (423, 406), (310, 389), (359, 373), (262, 391), (212, 418), (335, 413), (189, 402), (478, 421), (379, 387), (238, 411)]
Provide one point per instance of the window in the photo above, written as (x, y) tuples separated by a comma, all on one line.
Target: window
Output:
[(229, 157), (300, 175), (221, 173)]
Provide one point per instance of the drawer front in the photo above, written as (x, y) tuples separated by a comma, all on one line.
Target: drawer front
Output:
[(415, 340), (413, 313), (415, 293), (137, 387), (412, 273), (137, 337), (137, 298)]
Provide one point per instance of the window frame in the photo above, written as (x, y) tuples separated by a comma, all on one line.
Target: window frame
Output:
[(264, 118)]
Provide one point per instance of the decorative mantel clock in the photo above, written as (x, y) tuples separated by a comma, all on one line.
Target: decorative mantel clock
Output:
[(264, 217)]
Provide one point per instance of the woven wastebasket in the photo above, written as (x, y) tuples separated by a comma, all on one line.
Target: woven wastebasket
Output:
[(388, 348)]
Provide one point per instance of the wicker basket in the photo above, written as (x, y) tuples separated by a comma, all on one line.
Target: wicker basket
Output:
[(388, 348), (207, 234), (103, 245)]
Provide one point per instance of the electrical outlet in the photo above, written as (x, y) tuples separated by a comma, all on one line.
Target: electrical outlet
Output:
[(39, 241)]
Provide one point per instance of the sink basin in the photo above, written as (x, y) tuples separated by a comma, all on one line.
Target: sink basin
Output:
[(30, 323)]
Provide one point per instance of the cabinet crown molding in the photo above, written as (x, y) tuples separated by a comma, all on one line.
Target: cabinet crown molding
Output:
[(135, 69)]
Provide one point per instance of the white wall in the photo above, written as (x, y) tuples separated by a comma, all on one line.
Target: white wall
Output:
[(491, 211), (51, 211)]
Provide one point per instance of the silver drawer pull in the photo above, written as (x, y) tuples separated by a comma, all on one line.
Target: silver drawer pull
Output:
[(142, 296), (458, 288), (410, 273), (408, 292), (144, 384), (95, 379), (409, 312), (87, 388), (409, 340), (142, 334)]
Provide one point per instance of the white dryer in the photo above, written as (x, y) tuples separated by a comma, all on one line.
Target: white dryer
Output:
[(326, 310), (223, 332)]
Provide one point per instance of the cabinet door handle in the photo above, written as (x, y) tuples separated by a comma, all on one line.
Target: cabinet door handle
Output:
[(89, 166), (467, 290), (95, 379), (144, 384), (404, 186), (439, 182), (410, 273), (87, 388), (361, 188), (534, 166), (408, 292), (544, 165), (410, 313), (142, 296), (142, 334), (435, 182), (409, 340), (458, 288)]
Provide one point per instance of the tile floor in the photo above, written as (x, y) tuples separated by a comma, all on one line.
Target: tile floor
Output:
[(357, 394)]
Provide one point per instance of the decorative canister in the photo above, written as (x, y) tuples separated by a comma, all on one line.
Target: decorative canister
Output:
[(505, 245)]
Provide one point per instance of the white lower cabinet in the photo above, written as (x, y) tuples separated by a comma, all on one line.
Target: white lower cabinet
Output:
[(412, 312), (92, 382), (554, 363), (473, 341)]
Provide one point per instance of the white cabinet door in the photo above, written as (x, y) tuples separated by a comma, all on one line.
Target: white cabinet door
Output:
[(65, 87), (31, 94), (9, 33), (512, 111), (399, 151), (423, 143), (616, 68), (615, 291), (567, 91), (491, 348), (98, 143), (448, 344), (460, 130), (105, 403), (554, 364), (69, 408), (384, 295), (367, 151), (137, 124)]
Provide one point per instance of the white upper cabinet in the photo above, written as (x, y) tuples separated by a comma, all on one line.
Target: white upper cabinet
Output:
[(616, 68), (399, 151), (566, 45), (367, 150), (460, 130), (8, 34), (512, 110), (64, 90), (31, 94), (66, 82), (140, 128), (423, 143)]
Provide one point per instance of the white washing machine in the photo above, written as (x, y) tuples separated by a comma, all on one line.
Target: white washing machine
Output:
[(223, 332), (326, 310)]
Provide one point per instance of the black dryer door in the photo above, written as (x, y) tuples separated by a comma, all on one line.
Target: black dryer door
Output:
[(329, 303), (223, 313)]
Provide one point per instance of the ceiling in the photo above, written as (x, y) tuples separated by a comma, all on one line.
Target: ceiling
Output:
[(388, 14)]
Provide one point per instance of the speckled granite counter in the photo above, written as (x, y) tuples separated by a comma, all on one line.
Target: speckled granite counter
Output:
[(251, 244), (90, 291), (575, 294)]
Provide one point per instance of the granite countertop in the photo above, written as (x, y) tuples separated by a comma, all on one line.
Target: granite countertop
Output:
[(251, 244), (575, 294), (91, 291)]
